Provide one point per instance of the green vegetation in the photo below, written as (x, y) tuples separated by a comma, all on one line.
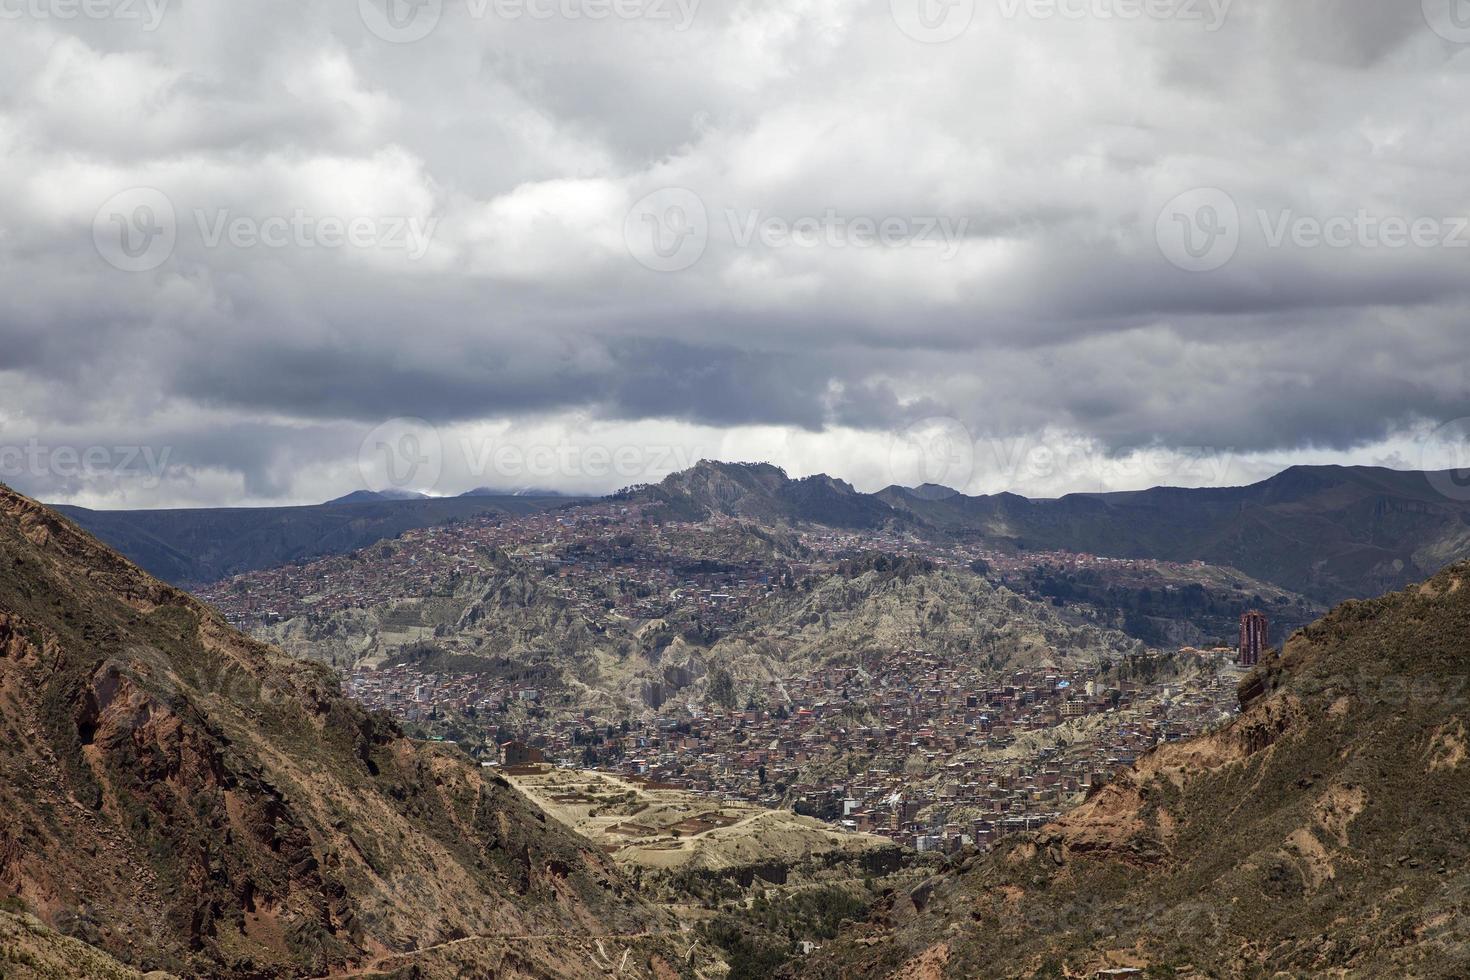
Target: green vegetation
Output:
[(721, 688), (759, 938)]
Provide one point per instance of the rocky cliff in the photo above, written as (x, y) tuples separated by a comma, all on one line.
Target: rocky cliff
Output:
[(183, 798)]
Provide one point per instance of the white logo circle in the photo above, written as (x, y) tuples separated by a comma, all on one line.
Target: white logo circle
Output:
[(401, 454), (401, 21), (1450, 442), (1199, 231), (1450, 19), (937, 451), (933, 21), (136, 230), (668, 230)]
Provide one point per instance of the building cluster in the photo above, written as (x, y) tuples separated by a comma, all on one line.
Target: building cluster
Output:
[(605, 559), (927, 751), (935, 751)]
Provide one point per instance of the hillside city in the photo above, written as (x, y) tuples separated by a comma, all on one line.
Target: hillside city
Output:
[(948, 757), (933, 751), (653, 568)]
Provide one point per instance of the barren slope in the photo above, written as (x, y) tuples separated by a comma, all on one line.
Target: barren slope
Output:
[(185, 798)]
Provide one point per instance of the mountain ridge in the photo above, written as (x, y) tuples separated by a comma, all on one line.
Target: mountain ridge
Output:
[(1328, 532), (196, 545), (182, 797)]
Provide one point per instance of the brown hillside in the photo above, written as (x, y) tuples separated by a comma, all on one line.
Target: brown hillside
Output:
[(186, 799), (1325, 832)]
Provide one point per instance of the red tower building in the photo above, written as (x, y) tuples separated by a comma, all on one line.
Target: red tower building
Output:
[(1255, 637)]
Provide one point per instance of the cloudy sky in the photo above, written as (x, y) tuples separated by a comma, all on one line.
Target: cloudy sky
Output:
[(278, 250)]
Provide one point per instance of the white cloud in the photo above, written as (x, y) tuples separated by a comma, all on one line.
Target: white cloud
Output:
[(1050, 312)]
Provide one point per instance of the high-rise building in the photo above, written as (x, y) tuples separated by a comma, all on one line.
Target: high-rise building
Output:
[(1255, 637)]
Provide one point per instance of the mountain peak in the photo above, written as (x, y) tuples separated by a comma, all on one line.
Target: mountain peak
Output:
[(736, 469), (929, 491), (377, 496), (831, 482), (516, 492), (763, 491)]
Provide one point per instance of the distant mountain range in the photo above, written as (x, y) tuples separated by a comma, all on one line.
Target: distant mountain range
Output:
[(378, 496), (189, 547), (1329, 532), (517, 492)]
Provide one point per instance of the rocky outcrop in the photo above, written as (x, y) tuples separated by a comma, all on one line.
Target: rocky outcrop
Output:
[(184, 798)]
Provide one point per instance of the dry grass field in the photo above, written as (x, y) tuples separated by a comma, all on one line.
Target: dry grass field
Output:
[(651, 827)]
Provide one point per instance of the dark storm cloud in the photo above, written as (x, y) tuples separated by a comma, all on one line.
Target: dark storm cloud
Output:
[(714, 386), (1352, 33), (629, 378), (1024, 281)]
